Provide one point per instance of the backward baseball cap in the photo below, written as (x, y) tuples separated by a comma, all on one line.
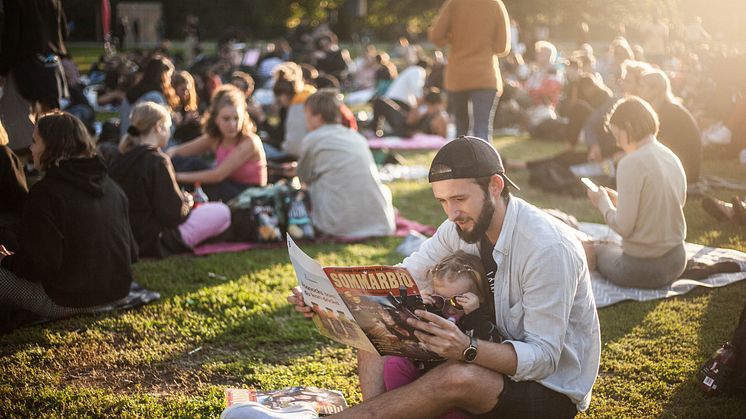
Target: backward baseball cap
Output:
[(466, 158)]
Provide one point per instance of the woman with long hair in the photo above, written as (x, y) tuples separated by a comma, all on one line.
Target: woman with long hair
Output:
[(153, 86), (76, 246), (229, 133), (162, 217), (186, 113)]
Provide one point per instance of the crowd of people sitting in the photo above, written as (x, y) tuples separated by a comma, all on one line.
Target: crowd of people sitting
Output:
[(195, 139), (247, 117)]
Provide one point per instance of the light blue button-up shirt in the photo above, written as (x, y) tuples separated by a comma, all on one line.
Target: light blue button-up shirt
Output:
[(544, 304)]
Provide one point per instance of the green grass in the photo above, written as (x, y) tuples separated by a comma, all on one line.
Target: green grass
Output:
[(175, 357)]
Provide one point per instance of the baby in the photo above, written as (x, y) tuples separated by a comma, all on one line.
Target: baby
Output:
[(460, 293)]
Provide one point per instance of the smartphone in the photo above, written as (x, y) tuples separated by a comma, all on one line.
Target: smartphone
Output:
[(589, 184)]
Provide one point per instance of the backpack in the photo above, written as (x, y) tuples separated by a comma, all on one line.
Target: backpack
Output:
[(553, 177), (272, 211)]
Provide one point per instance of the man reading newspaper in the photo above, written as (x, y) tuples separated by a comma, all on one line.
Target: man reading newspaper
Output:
[(544, 308)]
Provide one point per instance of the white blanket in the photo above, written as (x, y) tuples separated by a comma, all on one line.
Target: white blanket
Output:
[(607, 293)]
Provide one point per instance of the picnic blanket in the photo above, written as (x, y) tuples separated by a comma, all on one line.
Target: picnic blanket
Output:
[(391, 172), (403, 227), (607, 293), (418, 141), (138, 296)]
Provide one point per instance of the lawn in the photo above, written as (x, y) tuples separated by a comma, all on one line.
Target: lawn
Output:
[(174, 358)]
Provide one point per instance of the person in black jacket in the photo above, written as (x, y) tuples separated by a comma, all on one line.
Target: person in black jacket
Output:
[(33, 42), (13, 192), (76, 246), (161, 215)]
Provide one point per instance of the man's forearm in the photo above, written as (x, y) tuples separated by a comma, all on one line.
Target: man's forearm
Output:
[(500, 357)]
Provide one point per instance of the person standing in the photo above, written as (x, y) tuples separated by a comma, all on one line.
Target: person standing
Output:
[(477, 32), (31, 72)]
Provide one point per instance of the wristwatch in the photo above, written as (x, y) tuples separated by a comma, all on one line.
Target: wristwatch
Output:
[(470, 353)]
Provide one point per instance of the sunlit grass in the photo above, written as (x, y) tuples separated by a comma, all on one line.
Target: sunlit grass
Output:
[(174, 358)]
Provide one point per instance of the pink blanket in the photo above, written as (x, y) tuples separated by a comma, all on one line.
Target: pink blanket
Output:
[(416, 142), (403, 226)]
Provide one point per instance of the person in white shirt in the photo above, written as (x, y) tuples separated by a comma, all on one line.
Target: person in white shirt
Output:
[(648, 209), (401, 97), (544, 306)]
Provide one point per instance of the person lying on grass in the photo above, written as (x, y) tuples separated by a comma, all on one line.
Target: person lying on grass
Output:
[(540, 284)]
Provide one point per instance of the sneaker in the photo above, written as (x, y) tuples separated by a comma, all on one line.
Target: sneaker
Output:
[(253, 410), (720, 210)]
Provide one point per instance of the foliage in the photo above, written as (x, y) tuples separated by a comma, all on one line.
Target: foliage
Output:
[(388, 19)]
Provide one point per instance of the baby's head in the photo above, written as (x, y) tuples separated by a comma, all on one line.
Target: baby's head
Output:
[(458, 274)]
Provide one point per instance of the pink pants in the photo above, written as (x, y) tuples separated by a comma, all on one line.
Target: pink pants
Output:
[(207, 220), (399, 371)]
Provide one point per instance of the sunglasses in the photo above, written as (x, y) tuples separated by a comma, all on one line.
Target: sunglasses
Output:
[(447, 306)]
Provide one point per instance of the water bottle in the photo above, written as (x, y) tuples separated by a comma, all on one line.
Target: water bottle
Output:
[(715, 372), (200, 197), (299, 223)]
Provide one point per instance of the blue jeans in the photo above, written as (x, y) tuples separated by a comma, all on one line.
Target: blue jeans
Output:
[(273, 153), (483, 104)]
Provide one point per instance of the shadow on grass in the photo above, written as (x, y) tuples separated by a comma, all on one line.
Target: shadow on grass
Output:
[(618, 320), (716, 327), (206, 331)]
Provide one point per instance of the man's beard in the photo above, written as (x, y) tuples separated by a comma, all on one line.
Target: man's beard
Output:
[(481, 225)]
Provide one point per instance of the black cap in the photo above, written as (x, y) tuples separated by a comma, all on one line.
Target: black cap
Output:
[(466, 158)]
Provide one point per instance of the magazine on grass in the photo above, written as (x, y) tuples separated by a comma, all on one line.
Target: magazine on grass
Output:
[(325, 402), (366, 307)]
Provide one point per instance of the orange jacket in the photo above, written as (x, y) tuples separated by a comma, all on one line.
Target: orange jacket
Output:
[(478, 31)]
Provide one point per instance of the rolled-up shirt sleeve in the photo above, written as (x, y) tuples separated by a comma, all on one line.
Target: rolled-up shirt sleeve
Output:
[(549, 282)]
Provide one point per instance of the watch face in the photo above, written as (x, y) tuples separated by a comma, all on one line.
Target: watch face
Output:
[(470, 354)]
